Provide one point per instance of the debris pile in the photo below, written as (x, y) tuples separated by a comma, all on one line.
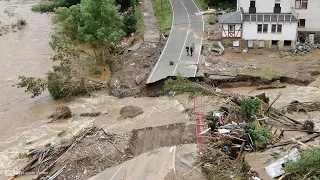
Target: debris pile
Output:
[(306, 48), (249, 124)]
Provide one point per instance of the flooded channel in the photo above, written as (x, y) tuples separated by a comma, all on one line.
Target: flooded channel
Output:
[(24, 52)]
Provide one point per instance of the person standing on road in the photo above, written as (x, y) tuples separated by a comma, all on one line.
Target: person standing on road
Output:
[(187, 48), (193, 46), (191, 50)]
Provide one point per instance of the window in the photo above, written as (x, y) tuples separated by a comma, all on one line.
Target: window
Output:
[(277, 5), (274, 28), (287, 43), (231, 28), (301, 4), (259, 28), (302, 23), (252, 3), (279, 29), (304, 4), (274, 42), (265, 28), (262, 28)]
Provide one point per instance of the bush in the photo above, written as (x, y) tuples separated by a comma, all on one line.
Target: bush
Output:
[(96, 71), (49, 6), (223, 4), (249, 107), (181, 85), (129, 24), (44, 6), (59, 87), (309, 161), (258, 133)]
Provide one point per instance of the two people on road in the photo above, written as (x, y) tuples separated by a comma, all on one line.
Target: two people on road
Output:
[(191, 48)]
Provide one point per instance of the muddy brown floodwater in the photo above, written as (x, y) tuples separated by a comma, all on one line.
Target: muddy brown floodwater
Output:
[(24, 52)]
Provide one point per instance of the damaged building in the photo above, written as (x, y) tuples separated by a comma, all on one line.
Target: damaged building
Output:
[(265, 24)]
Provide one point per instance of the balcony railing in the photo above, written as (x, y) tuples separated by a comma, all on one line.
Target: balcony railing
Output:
[(269, 18)]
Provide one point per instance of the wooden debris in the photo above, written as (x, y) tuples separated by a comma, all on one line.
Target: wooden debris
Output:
[(271, 87), (273, 102)]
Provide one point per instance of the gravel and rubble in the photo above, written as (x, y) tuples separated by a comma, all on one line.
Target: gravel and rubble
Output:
[(131, 68)]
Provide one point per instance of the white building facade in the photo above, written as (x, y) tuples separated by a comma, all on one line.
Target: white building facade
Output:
[(267, 23)]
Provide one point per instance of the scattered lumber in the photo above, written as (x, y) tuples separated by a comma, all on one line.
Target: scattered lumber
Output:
[(270, 87)]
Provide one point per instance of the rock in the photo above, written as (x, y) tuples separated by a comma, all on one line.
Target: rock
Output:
[(61, 112), (130, 111), (94, 114), (140, 78)]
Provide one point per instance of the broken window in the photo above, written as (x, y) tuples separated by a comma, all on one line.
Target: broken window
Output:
[(287, 43), (274, 28), (265, 28), (274, 42), (302, 23), (259, 28)]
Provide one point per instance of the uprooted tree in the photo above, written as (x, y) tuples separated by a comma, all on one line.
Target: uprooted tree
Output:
[(67, 78)]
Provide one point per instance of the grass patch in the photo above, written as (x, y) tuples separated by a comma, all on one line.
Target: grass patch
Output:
[(203, 4), (163, 12), (263, 73), (140, 25)]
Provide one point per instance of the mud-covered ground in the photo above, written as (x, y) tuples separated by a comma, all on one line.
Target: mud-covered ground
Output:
[(130, 69), (265, 63)]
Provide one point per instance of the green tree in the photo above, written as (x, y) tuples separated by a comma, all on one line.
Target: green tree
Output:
[(102, 23), (130, 23), (96, 22), (69, 19)]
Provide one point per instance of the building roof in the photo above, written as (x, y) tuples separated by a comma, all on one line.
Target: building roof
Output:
[(231, 18)]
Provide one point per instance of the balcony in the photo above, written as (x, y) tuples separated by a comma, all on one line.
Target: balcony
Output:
[(269, 17)]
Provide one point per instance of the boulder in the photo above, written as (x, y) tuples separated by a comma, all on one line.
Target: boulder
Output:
[(130, 111), (61, 112)]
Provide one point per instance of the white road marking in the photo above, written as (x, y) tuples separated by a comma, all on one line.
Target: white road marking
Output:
[(174, 159), (201, 15), (170, 150), (185, 40), (155, 67), (201, 38), (116, 173), (199, 55)]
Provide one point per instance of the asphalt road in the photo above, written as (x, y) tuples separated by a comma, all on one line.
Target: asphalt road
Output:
[(185, 27), (160, 164)]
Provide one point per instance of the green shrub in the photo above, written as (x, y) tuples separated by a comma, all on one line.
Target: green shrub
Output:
[(249, 107), (129, 23), (309, 160), (44, 6), (258, 133), (49, 6), (96, 71), (181, 85)]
